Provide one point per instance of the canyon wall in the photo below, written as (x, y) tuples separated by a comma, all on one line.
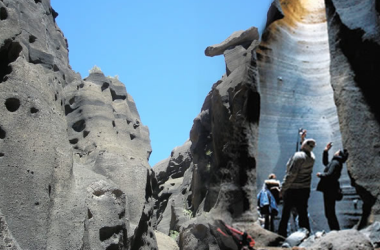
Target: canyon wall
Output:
[(296, 92), (306, 77), (73, 153), (354, 39), (74, 170)]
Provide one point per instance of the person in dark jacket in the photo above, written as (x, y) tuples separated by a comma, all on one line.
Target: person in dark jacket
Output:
[(329, 183)]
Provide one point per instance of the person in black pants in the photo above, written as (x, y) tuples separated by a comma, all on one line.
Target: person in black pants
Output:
[(329, 183), (296, 186)]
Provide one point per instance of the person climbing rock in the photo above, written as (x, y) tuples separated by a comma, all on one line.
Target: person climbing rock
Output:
[(296, 186), (329, 183)]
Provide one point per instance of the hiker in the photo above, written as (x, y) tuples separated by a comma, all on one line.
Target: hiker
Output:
[(274, 186), (293, 225), (296, 186), (329, 183), (267, 201)]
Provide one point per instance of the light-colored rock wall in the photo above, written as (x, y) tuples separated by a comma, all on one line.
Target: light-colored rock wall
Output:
[(296, 92)]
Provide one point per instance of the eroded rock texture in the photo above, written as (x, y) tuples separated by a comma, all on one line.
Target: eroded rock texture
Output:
[(224, 137), (213, 175), (174, 190), (73, 153), (296, 92), (354, 35)]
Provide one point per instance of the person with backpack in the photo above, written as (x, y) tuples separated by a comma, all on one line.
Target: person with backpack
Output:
[(267, 200), (329, 184), (296, 186)]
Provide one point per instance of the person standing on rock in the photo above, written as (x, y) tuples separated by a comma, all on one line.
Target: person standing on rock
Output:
[(296, 186), (329, 183)]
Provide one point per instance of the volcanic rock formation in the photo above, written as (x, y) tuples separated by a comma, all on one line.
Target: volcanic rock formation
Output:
[(308, 76), (296, 92), (354, 39), (73, 153)]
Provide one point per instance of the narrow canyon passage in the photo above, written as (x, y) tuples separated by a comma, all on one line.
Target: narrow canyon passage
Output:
[(296, 92)]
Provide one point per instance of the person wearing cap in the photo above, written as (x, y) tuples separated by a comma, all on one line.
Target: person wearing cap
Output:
[(296, 186), (329, 183)]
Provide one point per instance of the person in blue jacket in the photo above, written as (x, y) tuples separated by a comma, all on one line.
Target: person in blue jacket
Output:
[(329, 183), (267, 200)]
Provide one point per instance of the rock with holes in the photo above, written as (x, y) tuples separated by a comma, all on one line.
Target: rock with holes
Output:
[(73, 153), (108, 137), (36, 163), (174, 192), (105, 222), (354, 46)]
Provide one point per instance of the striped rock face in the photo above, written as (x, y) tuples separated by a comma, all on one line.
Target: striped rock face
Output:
[(296, 92)]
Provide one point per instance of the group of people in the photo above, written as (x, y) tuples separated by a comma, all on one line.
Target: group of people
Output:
[(295, 188)]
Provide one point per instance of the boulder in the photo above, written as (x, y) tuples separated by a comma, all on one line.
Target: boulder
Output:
[(245, 37), (165, 242), (373, 233), (342, 240)]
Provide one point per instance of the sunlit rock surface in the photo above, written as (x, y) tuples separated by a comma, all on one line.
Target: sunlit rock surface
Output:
[(174, 175), (73, 153), (296, 92)]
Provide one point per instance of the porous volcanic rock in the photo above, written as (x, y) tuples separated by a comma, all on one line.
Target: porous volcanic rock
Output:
[(73, 153), (174, 189), (36, 163)]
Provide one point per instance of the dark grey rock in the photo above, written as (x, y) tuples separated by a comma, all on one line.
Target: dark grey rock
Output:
[(274, 13), (173, 206), (354, 42), (237, 38), (223, 139)]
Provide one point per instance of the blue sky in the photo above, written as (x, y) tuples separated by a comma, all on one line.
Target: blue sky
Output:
[(157, 50)]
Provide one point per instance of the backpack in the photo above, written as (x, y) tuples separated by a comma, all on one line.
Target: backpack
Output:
[(230, 238)]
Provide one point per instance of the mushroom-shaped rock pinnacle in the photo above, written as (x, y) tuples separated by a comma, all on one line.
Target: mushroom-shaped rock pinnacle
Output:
[(237, 38)]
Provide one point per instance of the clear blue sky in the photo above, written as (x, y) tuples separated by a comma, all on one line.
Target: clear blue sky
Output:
[(157, 50)]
